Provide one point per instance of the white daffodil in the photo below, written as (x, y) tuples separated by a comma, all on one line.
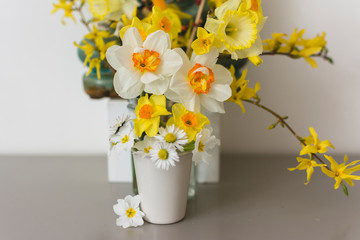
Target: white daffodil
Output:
[(143, 147), (120, 122), (129, 212), (174, 136), (123, 140), (163, 155), (204, 142), (143, 66), (201, 82)]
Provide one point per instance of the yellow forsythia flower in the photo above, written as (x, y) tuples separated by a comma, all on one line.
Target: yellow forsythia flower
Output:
[(88, 50), (190, 122), (308, 165), (95, 63), (240, 90), (98, 37), (341, 172), (148, 112), (67, 7), (315, 145)]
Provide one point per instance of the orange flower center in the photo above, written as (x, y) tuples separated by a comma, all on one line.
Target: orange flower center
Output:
[(254, 5), (189, 119), (200, 78), (145, 111), (148, 61), (165, 24)]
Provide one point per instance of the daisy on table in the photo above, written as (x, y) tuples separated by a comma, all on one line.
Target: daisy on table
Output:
[(201, 82), (143, 65)]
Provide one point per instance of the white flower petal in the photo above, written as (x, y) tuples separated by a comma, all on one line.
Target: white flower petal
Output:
[(132, 38), (149, 77), (158, 87), (208, 59), (191, 103), (231, 5), (170, 63), (219, 92), (119, 57), (135, 201), (222, 75), (211, 104), (127, 84), (186, 65), (158, 41)]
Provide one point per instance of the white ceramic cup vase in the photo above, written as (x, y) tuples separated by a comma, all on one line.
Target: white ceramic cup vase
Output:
[(163, 193)]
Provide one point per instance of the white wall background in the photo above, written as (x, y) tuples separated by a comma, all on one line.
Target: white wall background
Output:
[(45, 111)]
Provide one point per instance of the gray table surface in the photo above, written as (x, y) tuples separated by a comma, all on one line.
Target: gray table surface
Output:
[(69, 198)]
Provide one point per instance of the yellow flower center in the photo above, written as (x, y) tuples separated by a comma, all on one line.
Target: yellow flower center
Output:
[(201, 147), (148, 61), (163, 154), (200, 78), (205, 43), (145, 111), (125, 139), (189, 119), (165, 24), (170, 137), (337, 173), (147, 150), (130, 213)]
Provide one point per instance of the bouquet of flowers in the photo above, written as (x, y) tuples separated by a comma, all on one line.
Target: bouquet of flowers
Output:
[(181, 58)]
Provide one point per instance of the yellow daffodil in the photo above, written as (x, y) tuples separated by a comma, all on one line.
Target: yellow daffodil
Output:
[(160, 3), (190, 122), (240, 90), (204, 42), (94, 63), (142, 27), (111, 9), (148, 112), (98, 37), (237, 25), (341, 172), (88, 50), (315, 145), (308, 165), (165, 20), (67, 7)]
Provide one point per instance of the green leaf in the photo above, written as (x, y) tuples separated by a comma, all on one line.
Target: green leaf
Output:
[(344, 188)]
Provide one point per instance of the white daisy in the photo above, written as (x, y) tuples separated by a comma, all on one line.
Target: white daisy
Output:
[(120, 122), (129, 212), (174, 136), (204, 142), (143, 147), (163, 155), (123, 140), (201, 82), (143, 66)]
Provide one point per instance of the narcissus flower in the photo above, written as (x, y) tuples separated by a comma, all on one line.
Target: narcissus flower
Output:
[(143, 147), (190, 122), (237, 25), (148, 112), (315, 145), (341, 172), (123, 140), (129, 213), (163, 155), (201, 82), (204, 41), (308, 165), (143, 66), (174, 136), (203, 144)]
